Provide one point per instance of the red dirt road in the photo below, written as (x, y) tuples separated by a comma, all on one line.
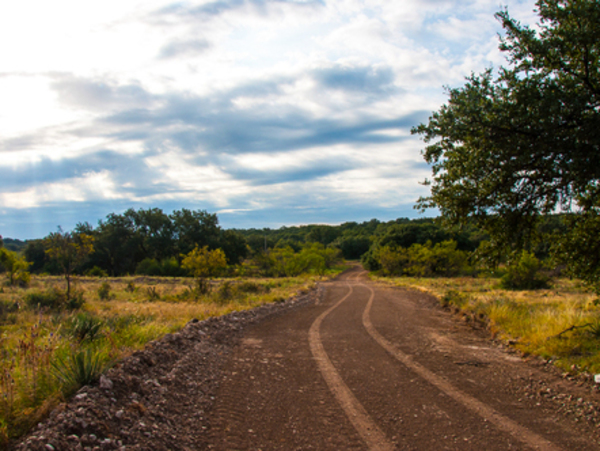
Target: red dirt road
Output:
[(370, 367)]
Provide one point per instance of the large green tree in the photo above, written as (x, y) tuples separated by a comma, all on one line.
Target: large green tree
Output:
[(523, 141)]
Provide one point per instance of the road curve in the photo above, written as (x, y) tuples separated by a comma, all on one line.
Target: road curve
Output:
[(375, 368)]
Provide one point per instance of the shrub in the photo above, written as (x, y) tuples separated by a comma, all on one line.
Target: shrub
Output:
[(170, 267), (392, 261), (226, 292), (7, 308), (148, 267), (421, 260), (104, 291), (76, 301), (370, 261), (85, 327), (16, 266), (523, 274), (96, 272), (249, 287), (52, 298), (455, 298)]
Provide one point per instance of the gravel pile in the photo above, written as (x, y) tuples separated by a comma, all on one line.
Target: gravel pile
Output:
[(157, 398)]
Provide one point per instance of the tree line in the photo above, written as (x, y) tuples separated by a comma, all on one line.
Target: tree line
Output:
[(152, 242), (146, 241)]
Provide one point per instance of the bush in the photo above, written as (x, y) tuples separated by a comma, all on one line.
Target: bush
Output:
[(54, 299), (370, 261), (7, 309), (76, 301), (104, 291), (249, 287), (455, 298), (392, 261), (225, 292), (421, 260), (16, 266), (523, 274), (170, 267), (148, 267), (96, 272)]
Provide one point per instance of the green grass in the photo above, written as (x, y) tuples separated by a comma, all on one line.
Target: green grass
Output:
[(561, 323), (47, 353)]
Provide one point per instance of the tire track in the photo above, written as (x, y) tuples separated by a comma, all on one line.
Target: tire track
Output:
[(371, 434), (502, 422)]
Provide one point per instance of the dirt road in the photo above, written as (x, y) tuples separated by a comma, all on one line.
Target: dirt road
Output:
[(369, 367)]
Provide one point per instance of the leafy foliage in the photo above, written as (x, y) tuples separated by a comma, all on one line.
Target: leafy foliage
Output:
[(69, 250), (203, 263), (523, 274), (16, 266), (509, 147), (284, 262), (104, 291), (54, 299), (423, 260)]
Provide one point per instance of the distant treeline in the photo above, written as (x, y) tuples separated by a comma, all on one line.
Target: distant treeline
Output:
[(154, 243), (145, 241), (356, 239)]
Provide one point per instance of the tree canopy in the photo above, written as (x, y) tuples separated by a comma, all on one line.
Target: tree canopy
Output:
[(513, 144)]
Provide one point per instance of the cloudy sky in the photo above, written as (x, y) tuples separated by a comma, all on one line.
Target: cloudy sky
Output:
[(267, 112)]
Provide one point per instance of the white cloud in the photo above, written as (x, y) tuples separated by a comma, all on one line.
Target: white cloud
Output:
[(240, 104)]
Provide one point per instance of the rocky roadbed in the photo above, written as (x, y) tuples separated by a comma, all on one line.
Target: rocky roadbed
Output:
[(157, 398)]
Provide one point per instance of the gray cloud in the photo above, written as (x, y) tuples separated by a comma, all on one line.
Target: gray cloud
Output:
[(219, 7), (184, 48), (94, 94), (364, 79)]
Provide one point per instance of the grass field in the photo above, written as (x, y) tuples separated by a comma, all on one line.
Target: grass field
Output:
[(561, 324), (47, 351)]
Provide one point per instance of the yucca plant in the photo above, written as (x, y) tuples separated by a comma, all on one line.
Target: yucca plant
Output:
[(85, 327), (78, 368)]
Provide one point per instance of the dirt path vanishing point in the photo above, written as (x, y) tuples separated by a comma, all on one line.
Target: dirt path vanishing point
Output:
[(372, 368)]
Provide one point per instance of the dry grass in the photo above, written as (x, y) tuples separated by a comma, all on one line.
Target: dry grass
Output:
[(561, 323), (120, 315)]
